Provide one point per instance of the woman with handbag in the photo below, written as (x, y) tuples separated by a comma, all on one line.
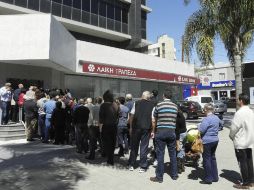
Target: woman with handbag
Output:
[(209, 129)]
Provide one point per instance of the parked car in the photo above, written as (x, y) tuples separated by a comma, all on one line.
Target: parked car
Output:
[(220, 107), (190, 109), (202, 100)]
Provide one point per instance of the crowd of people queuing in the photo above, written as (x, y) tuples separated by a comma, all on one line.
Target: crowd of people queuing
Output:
[(104, 122)]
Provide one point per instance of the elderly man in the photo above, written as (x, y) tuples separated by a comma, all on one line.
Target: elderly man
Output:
[(5, 96), (31, 111), (140, 128), (242, 135)]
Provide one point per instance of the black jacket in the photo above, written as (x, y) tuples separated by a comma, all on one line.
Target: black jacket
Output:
[(180, 125), (30, 109), (81, 115)]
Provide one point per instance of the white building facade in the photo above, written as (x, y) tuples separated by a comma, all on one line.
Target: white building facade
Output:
[(164, 48), (218, 81), (38, 49)]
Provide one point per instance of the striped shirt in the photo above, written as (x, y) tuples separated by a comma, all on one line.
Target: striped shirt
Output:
[(165, 113)]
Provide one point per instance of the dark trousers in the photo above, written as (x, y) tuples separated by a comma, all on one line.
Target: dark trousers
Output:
[(139, 136), (109, 142), (165, 138), (15, 114), (122, 136), (59, 134), (209, 162), (94, 136), (244, 158), (41, 126), (81, 134), (5, 106)]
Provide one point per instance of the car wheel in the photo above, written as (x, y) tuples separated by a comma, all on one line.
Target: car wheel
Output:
[(185, 115)]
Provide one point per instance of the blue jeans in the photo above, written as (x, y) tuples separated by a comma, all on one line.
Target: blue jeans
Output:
[(209, 161), (5, 106), (165, 138), (47, 128), (122, 133), (181, 153)]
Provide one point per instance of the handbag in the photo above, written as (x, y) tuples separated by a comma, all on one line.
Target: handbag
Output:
[(197, 145)]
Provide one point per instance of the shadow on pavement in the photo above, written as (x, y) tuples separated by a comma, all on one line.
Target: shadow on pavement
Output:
[(34, 165), (231, 175), (197, 173)]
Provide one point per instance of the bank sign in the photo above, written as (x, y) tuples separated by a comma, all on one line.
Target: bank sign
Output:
[(218, 84), (133, 73)]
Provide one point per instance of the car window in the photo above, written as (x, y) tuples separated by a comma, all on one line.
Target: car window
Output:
[(206, 99)]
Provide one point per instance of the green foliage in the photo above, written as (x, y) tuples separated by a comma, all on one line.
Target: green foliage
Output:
[(230, 20)]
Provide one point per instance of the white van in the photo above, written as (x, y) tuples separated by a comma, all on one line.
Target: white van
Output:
[(202, 99)]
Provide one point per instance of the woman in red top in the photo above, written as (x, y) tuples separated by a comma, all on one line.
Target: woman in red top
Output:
[(21, 101)]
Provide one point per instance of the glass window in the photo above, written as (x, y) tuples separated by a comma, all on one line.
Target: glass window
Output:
[(94, 6), (143, 15), (86, 5), (21, 3), (56, 9), (124, 16), (206, 100), (67, 2), (57, 1), (94, 19), (102, 9), (8, 1), (45, 6), (66, 12), (76, 14), (102, 21), (118, 14), (85, 17), (110, 11), (221, 76), (77, 4), (33, 4)]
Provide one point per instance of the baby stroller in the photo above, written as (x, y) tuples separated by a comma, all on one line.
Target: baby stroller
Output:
[(192, 157)]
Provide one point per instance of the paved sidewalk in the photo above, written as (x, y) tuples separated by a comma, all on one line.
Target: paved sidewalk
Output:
[(36, 166)]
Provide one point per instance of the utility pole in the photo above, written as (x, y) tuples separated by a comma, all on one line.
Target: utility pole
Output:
[(182, 48)]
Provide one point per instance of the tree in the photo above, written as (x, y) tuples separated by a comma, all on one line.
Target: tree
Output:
[(230, 20)]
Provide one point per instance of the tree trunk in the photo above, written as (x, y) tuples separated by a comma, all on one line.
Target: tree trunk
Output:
[(238, 74)]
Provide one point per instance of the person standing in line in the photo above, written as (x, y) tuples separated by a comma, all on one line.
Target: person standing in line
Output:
[(154, 99), (94, 130), (80, 120), (180, 139), (129, 103), (122, 130), (31, 111), (41, 114), (242, 135), (164, 125), (16, 94), (5, 96), (108, 118), (49, 106), (209, 129), (58, 122), (140, 129), (21, 105)]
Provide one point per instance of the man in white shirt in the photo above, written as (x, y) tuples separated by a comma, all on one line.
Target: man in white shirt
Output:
[(242, 134), (5, 96)]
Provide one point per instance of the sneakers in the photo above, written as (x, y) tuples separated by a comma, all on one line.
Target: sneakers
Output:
[(155, 163), (239, 186), (131, 168), (142, 170)]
